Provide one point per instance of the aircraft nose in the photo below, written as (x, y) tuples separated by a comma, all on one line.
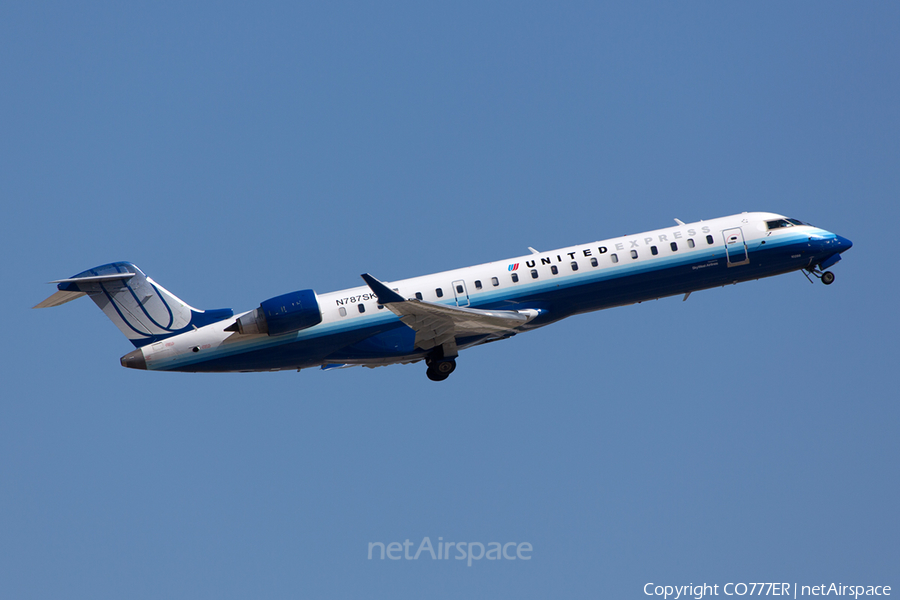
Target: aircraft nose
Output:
[(134, 360), (843, 243)]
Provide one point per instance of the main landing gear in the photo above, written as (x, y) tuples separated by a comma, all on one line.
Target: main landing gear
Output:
[(439, 368), (827, 277)]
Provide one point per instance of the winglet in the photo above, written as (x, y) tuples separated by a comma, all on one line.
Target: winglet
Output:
[(385, 294)]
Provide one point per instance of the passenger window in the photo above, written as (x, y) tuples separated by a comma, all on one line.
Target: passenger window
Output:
[(439, 292), (534, 274), (554, 270), (361, 307), (614, 257), (690, 242), (574, 266), (674, 247), (594, 262), (653, 250), (634, 254), (477, 284), (459, 289), (495, 282), (418, 295), (342, 311), (709, 240), (515, 277)]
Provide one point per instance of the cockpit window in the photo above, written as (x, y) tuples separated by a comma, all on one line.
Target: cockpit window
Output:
[(780, 223)]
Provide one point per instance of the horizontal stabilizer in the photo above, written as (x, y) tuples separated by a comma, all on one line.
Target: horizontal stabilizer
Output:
[(69, 290), (59, 298), (95, 278)]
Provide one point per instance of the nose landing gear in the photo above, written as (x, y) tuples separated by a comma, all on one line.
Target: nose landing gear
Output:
[(827, 277)]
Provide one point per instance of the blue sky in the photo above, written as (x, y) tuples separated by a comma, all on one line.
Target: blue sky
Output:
[(236, 153)]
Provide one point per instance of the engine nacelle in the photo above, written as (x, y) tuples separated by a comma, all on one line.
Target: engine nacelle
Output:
[(282, 314)]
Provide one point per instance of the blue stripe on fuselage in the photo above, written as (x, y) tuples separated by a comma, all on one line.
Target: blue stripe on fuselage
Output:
[(381, 334)]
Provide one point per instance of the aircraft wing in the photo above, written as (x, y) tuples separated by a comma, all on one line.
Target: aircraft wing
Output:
[(440, 325)]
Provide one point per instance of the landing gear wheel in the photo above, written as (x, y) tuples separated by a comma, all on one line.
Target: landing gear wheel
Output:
[(440, 370), (433, 374), (446, 366), (827, 277)]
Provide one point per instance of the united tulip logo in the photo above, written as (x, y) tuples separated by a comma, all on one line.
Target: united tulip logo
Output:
[(513, 266)]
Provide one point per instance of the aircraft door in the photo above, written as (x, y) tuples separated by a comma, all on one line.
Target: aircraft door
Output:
[(462, 295), (735, 247)]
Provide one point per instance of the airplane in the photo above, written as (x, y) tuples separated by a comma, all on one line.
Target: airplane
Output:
[(433, 317)]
